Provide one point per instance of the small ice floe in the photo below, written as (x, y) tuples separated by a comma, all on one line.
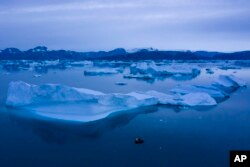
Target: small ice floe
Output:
[(36, 76), (209, 71), (139, 76), (121, 83), (81, 63), (100, 71)]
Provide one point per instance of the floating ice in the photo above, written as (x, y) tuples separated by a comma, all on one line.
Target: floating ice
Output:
[(130, 100), (228, 83), (37, 75), (149, 70), (21, 93), (79, 104), (214, 92), (101, 71), (190, 99), (173, 69), (121, 83), (139, 76)]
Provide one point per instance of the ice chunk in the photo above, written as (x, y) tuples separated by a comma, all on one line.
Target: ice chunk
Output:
[(140, 76), (101, 71), (121, 83), (228, 83)]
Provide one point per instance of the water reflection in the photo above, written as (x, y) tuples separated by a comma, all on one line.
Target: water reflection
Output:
[(60, 132)]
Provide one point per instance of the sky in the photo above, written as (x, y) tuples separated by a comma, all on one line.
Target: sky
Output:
[(92, 25)]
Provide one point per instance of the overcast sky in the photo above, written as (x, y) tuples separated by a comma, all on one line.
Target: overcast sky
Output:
[(215, 25)]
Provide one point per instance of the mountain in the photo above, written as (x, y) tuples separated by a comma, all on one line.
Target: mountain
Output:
[(42, 53)]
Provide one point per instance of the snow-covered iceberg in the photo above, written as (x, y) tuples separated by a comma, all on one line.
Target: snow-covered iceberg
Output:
[(149, 70), (130, 100), (80, 104), (213, 91), (171, 69), (189, 99), (220, 89), (73, 104), (228, 83), (21, 94)]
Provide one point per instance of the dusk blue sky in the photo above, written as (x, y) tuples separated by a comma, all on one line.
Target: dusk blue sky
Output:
[(90, 25)]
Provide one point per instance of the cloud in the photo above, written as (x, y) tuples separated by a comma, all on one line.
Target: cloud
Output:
[(182, 24)]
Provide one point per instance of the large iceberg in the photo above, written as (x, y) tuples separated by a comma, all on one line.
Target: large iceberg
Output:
[(23, 94), (80, 104)]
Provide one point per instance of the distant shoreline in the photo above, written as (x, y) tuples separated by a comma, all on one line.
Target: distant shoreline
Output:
[(42, 53)]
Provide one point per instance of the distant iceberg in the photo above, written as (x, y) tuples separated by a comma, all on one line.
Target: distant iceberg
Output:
[(100, 71), (149, 70), (80, 104)]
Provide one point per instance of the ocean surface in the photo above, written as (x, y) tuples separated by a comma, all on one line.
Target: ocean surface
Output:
[(173, 136)]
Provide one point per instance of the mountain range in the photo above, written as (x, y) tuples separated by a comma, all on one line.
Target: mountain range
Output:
[(42, 53)]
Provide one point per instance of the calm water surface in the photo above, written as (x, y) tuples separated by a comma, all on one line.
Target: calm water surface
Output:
[(173, 136)]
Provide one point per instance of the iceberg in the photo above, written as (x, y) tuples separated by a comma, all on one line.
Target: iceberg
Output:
[(173, 69), (79, 104), (149, 70), (139, 76), (228, 83), (24, 94)]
